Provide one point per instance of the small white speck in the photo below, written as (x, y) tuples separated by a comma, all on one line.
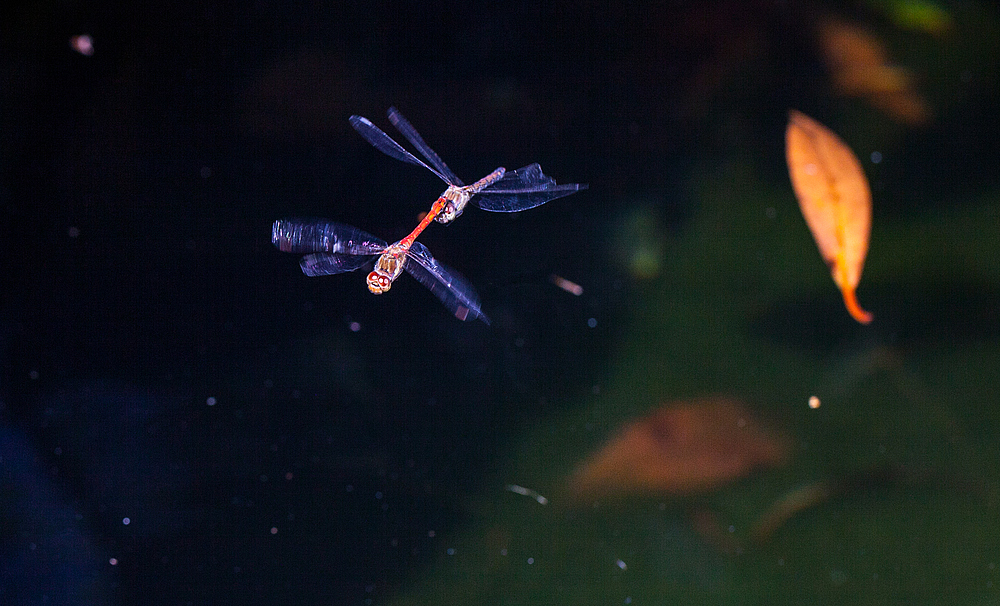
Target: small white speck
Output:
[(126, 521), (113, 561), (531, 560), (451, 551), (274, 530), (621, 564), (354, 326), (876, 157), (210, 401), (592, 322), (814, 402)]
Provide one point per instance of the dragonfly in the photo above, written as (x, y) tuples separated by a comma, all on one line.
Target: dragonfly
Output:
[(335, 248), (500, 191)]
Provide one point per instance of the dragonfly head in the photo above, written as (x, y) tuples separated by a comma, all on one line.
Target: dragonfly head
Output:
[(457, 197), (378, 282), (449, 213)]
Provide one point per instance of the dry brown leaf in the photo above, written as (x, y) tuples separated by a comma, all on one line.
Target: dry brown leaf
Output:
[(835, 200), (860, 67), (681, 448)]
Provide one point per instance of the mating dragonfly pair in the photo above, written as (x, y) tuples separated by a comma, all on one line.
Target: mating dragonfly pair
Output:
[(337, 248)]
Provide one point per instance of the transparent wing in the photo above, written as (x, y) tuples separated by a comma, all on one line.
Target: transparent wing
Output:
[(403, 125), (319, 235), (385, 144), (524, 188), (447, 285), (326, 264)]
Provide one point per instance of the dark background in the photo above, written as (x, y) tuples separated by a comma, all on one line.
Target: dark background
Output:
[(138, 186)]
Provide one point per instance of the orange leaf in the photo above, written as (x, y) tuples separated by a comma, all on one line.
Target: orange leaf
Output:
[(835, 200)]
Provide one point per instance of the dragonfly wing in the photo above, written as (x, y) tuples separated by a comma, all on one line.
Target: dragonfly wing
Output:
[(327, 264), (318, 235), (447, 285), (385, 144), (403, 125), (524, 188), (526, 177)]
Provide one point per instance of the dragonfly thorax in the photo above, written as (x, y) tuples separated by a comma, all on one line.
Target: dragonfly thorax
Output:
[(387, 268), (459, 195)]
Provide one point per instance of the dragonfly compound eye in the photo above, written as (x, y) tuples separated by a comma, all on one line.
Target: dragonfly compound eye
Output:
[(447, 214), (378, 283)]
